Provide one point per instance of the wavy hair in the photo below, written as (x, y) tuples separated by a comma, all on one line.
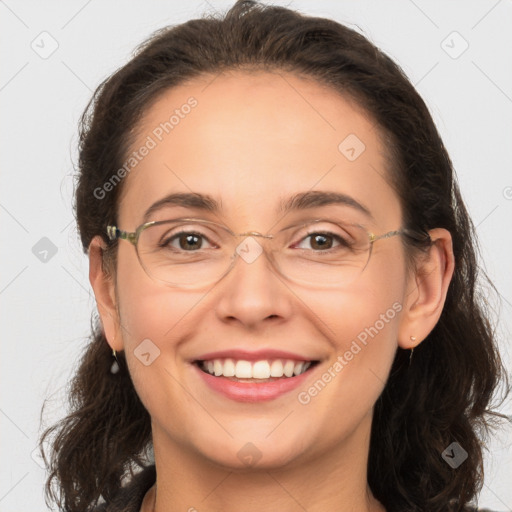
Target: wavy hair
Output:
[(444, 396)]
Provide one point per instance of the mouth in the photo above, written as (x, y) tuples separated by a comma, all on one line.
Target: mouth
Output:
[(265, 370)]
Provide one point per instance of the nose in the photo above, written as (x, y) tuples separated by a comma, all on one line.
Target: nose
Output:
[(253, 291)]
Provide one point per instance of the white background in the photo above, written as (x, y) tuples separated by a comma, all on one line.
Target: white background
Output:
[(46, 306)]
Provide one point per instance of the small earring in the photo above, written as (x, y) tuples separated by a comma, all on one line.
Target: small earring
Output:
[(413, 338), (115, 365)]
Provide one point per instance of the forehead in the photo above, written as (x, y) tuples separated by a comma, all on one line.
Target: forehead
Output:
[(251, 140)]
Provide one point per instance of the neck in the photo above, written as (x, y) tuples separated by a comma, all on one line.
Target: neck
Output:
[(335, 480)]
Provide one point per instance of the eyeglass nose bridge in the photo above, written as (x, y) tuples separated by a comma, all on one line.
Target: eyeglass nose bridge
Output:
[(250, 254), (255, 233)]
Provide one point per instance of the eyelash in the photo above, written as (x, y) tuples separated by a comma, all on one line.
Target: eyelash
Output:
[(341, 241)]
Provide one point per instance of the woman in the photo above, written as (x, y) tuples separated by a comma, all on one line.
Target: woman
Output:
[(285, 276)]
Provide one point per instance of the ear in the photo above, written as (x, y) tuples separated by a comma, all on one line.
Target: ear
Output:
[(103, 285), (426, 290)]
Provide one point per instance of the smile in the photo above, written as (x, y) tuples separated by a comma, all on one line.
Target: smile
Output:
[(256, 381), (264, 370)]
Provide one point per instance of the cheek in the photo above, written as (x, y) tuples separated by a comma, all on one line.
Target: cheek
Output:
[(155, 325), (362, 326), (370, 306), (375, 308), (152, 315), (155, 312)]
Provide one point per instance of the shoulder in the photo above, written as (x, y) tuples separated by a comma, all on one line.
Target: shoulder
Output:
[(473, 509), (130, 496)]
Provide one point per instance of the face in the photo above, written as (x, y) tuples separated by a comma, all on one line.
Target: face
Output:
[(251, 141)]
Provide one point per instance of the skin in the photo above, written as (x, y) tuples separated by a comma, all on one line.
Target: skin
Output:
[(253, 139)]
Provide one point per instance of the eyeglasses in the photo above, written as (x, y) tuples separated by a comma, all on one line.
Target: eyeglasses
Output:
[(189, 252)]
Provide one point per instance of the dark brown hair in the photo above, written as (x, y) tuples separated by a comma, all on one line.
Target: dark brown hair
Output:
[(444, 396)]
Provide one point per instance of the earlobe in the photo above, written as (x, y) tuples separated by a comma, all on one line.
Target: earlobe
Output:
[(426, 294), (104, 291)]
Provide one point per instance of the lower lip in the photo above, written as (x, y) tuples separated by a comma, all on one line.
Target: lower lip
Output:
[(253, 392)]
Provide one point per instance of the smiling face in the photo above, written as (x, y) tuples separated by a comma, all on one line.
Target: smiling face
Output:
[(250, 142)]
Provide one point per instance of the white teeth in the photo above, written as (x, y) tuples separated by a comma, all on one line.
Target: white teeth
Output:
[(288, 368), (297, 369), (229, 368), (217, 367), (243, 370), (276, 368), (263, 369)]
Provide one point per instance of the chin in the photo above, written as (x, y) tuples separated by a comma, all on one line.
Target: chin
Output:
[(261, 453)]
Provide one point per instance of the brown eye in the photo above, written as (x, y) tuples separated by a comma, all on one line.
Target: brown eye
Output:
[(322, 241), (187, 241)]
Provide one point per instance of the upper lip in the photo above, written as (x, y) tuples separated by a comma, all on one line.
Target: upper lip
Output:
[(258, 355)]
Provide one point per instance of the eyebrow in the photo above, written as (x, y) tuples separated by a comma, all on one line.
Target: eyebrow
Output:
[(316, 198), (300, 201), (188, 200)]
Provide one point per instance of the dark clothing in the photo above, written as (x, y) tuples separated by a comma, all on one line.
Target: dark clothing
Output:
[(130, 497)]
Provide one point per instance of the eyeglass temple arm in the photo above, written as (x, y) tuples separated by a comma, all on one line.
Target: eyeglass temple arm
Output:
[(419, 236), (415, 235), (114, 233)]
